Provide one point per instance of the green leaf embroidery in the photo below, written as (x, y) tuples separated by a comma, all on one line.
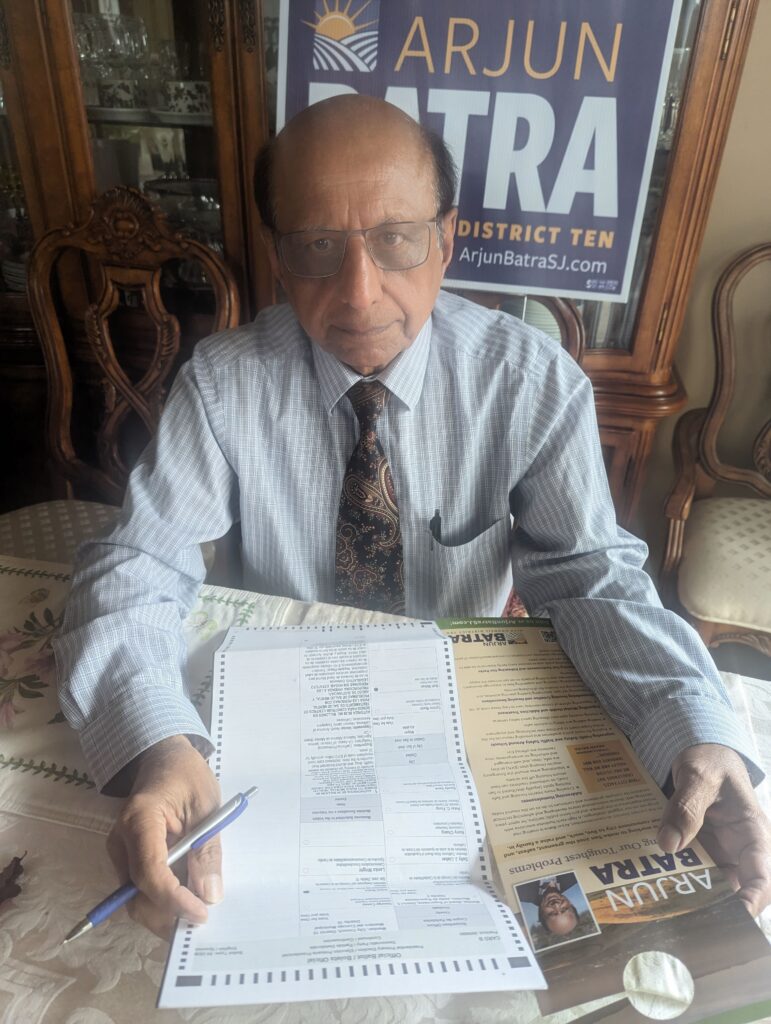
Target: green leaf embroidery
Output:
[(24, 692), (7, 570), (51, 771)]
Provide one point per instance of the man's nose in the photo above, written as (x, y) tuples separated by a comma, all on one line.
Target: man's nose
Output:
[(359, 279)]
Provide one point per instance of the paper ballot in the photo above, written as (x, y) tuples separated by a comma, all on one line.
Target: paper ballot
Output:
[(359, 868)]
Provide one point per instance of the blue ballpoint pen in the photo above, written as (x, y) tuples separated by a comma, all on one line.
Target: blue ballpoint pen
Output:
[(201, 834)]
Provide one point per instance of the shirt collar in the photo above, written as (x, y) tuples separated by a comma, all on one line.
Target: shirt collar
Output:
[(403, 376)]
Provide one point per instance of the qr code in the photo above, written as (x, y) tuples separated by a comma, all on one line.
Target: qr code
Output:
[(548, 636)]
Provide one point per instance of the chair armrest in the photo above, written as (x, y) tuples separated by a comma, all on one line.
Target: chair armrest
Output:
[(685, 457), (677, 507)]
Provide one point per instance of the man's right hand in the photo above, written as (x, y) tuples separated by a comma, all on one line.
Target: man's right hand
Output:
[(173, 791)]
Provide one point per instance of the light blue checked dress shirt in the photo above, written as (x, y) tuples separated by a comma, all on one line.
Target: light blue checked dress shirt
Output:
[(487, 420)]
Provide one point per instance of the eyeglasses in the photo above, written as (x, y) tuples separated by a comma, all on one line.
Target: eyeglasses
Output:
[(399, 246)]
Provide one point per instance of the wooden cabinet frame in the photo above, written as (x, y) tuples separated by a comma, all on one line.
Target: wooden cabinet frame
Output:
[(635, 389)]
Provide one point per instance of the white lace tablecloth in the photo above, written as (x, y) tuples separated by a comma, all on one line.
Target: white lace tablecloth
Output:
[(49, 808)]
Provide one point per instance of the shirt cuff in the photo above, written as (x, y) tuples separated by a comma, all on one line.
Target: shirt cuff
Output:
[(134, 721), (682, 722)]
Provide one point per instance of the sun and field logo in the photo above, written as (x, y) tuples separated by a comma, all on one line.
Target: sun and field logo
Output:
[(345, 40)]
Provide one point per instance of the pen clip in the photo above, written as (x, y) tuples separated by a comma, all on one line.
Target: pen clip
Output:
[(221, 824), (435, 528)]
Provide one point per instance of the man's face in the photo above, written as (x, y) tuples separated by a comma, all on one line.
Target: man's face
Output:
[(558, 914), (362, 315)]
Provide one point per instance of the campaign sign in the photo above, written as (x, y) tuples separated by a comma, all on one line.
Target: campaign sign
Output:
[(551, 111)]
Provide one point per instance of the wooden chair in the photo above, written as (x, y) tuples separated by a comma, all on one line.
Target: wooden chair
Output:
[(572, 336), (125, 244), (717, 562)]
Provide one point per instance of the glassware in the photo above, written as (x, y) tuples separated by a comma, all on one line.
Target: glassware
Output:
[(15, 231), (192, 205), (86, 41), (114, 56), (168, 58), (145, 69)]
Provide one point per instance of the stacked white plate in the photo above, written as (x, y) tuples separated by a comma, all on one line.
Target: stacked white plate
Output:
[(15, 275)]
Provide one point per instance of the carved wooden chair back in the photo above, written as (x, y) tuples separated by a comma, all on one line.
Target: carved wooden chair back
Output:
[(759, 477), (699, 469), (128, 242)]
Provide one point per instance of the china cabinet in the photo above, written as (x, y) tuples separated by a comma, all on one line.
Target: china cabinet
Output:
[(175, 97)]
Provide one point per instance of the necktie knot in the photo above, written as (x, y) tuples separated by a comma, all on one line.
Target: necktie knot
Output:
[(368, 397)]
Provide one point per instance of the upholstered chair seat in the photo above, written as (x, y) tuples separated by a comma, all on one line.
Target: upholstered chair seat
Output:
[(725, 571), (52, 530)]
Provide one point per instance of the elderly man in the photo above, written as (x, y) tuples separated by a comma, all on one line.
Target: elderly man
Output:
[(374, 437)]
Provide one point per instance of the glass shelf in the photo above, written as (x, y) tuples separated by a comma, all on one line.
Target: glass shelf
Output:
[(168, 119)]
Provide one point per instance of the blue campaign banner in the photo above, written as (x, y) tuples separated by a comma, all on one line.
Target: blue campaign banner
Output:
[(551, 111)]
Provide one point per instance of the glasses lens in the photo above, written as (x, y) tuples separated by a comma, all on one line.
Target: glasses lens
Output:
[(313, 253), (399, 246), (391, 246)]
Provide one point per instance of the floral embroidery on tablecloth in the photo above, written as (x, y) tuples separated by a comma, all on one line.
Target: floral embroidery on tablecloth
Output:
[(202, 624), (23, 677)]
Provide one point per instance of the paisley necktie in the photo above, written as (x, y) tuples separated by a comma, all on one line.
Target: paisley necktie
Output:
[(369, 563)]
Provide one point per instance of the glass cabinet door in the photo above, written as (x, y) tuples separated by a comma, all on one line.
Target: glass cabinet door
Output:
[(16, 237), (22, 375), (612, 324), (145, 72)]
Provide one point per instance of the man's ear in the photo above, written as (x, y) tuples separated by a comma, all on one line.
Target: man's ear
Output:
[(449, 224)]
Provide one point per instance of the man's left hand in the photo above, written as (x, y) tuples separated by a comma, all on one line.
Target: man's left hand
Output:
[(713, 793)]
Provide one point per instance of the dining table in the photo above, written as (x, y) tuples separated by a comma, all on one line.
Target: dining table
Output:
[(53, 823)]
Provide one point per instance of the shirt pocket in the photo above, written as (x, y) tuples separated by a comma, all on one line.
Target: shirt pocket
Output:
[(472, 578)]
